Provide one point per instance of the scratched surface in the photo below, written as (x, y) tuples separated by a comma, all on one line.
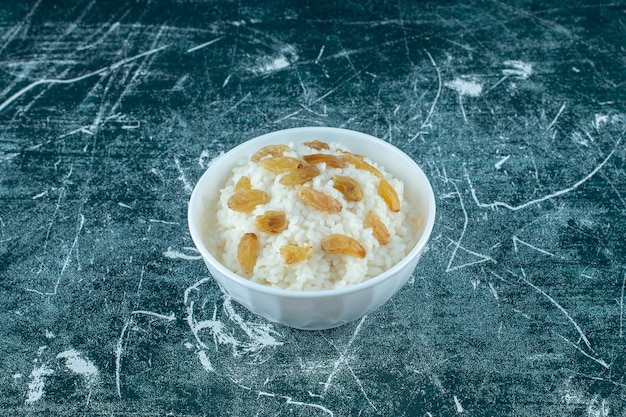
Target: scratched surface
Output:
[(110, 111)]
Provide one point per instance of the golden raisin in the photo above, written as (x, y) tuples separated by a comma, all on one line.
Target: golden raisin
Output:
[(247, 252), (379, 230), (272, 222), (386, 191), (316, 144), (243, 184), (246, 201), (273, 150), (342, 245), (318, 200), (349, 187), (359, 163), (282, 163), (300, 176), (292, 254), (331, 161)]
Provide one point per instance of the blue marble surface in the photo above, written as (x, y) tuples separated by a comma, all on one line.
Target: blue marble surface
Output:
[(110, 111)]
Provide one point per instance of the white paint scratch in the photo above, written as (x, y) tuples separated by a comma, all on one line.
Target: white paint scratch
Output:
[(517, 240), (496, 204), (598, 408), (343, 356), (82, 129), (261, 335), (621, 308), (290, 115), (457, 405), (481, 258), (360, 384), (526, 316), (67, 259), (22, 26), (465, 223), (457, 244), (518, 69), (494, 292), (234, 106), (465, 87), (596, 378), (426, 122), (119, 348), (163, 222), (319, 56), (75, 362), (289, 400), (103, 70), (115, 26), (556, 117), (173, 254), (565, 313), (42, 194), (600, 361), (281, 60), (599, 120), (205, 44), (37, 383), (462, 108), (194, 287), (204, 361), (203, 159), (501, 162), (141, 70), (303, 404), (81, 223), (258, 335), (169, 317), (182, 176)]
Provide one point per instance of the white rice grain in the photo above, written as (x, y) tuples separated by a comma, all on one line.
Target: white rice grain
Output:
[(308, 226)]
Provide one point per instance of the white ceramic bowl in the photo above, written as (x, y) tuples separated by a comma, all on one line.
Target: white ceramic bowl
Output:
[(314, 310)]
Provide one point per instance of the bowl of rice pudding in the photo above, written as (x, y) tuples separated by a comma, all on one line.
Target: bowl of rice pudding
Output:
[(312, 227)]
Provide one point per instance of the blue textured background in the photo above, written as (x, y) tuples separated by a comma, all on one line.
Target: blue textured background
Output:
[(110, 111)]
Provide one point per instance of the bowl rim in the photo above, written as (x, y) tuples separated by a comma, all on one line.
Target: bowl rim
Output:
[(407, 259)]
